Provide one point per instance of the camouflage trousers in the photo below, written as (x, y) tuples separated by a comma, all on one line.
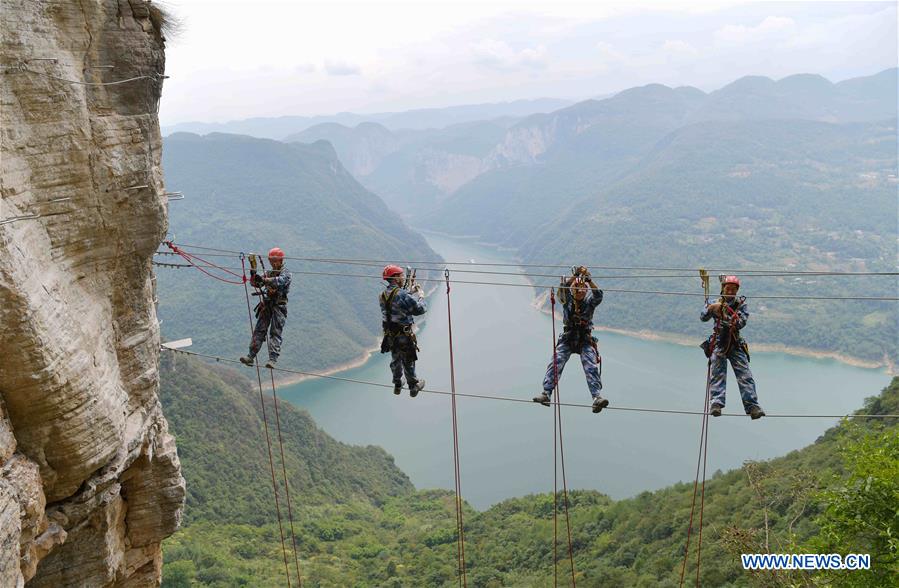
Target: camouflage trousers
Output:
[(739, 361), (269, 324), (590, 360), (402, 360)]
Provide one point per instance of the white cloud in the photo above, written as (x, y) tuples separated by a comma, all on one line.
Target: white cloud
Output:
[(499, 55), (342, 68), (679, 48), (771, 26)]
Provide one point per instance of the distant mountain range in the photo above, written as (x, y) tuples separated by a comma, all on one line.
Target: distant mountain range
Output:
[(423, 118), (414, 172)]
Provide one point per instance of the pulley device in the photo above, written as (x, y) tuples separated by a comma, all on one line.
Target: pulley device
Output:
[(410, 279)]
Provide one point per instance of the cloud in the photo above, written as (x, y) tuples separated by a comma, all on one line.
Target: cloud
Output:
[(341, 68), (304, 68), (669, 51), (771, 26), (679, 48), (499, 55)]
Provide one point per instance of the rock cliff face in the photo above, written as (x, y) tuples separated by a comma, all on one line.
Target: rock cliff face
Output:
[(90, 481)]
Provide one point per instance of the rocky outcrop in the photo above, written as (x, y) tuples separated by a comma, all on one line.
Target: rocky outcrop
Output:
[(90, 481), (450, 171)]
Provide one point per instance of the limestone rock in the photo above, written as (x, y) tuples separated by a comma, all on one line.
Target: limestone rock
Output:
[(90, 481)]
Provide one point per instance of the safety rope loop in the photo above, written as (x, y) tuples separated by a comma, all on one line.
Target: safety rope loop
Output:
[(293, 536), (705, 455), (557, 419), (190, 259), (552, 301), (460, 524), (702, 436), (701, 458), (268, 440)]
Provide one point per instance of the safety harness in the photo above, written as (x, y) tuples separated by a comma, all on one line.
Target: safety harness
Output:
[(268, 296), (577, 333), (394, 330), (733, 333)]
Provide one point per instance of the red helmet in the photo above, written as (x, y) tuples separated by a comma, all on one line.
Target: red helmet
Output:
[(730, 280), (276, 253), (391, 271)]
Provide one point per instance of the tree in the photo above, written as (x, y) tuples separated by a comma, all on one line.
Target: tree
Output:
[(861, 513)]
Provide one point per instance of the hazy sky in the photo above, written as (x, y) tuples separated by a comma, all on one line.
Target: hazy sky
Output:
[(239, 59)]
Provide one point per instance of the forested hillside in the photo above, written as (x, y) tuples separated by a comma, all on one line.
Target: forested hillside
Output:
[(247, 194), (360, 523)]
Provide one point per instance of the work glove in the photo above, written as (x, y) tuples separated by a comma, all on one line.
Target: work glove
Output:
[(417, 289), (256, 280), (583, 272)]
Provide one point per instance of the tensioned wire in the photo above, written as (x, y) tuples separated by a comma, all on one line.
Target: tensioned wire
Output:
[(376, 262), (512, 399), (561, 287)]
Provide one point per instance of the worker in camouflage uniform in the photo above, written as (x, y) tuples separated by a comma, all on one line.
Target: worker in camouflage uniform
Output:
[(398, 307), (579, 296), (271, 312), (726, 344)]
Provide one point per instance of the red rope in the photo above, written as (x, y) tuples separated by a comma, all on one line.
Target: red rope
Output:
[(190, 257), (558, 417), (268, 441), (460, 526)]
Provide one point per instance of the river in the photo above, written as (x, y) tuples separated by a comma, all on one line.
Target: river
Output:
[(502, 346)]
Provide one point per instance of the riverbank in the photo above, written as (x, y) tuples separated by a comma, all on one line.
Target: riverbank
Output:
[(359, 361), (764, 347), (680, 339)]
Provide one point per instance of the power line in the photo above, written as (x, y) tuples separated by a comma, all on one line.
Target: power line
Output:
[(527, 401), (617, 290), (770, 274), (224, 252)]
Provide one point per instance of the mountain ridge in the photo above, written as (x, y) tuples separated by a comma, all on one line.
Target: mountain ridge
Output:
[(415, 119)]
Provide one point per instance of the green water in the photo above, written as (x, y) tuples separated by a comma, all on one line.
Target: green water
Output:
[(502, 346)]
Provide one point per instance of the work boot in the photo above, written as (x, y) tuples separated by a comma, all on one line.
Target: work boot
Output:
[(599, 403), (756, 412), (270, 364), (542, 399), (398, 388), (247, 360), (416, 388), (716, 410)]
